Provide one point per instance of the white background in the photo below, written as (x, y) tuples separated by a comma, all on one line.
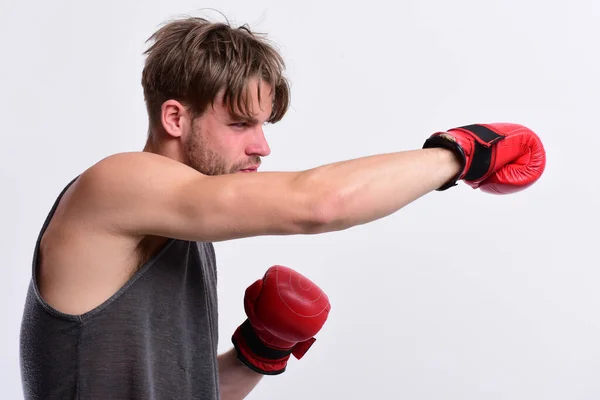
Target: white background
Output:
[(461, 295)]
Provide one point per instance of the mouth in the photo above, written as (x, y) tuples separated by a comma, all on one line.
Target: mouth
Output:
[(247, 170)]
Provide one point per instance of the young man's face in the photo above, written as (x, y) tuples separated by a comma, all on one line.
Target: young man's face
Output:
[(217, 144)]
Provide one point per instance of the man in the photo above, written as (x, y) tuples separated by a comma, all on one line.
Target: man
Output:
[(122, 301)]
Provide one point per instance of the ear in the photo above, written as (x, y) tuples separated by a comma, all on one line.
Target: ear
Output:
[(174, 118)]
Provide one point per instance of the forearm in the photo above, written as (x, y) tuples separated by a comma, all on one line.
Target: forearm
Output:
[(369, 188), (236, 380)]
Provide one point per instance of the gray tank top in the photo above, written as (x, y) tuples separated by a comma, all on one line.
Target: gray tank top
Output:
[(156, 338)]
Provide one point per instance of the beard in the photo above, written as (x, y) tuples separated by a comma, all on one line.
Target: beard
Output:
[(208, 162)]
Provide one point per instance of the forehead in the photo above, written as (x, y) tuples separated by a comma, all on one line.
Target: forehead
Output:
[(252, 102)]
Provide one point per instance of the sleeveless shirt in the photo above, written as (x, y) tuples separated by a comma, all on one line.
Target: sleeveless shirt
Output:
[(156, 338)]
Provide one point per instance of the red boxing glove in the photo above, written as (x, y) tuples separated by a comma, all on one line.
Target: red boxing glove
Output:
[(500, 158), (285, 311)]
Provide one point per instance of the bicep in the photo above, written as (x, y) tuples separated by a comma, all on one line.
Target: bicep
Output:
[(147, 194)]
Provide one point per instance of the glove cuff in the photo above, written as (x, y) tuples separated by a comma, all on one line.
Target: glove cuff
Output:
[(437, 141), (475, 165), (255, 354)]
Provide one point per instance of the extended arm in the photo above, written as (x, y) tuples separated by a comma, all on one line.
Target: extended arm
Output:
[(139, 194), (147, 194)]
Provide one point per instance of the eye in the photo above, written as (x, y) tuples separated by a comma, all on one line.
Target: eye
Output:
[(239, 124)]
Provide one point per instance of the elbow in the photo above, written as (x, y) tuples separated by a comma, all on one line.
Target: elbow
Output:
[(324, 213), (320, 203)]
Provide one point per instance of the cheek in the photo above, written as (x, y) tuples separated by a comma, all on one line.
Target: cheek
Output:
[(233, 144)]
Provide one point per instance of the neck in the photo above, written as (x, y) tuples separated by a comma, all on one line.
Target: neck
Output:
[(157, 144)]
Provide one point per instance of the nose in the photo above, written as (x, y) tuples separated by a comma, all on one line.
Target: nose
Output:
[(258, 145)]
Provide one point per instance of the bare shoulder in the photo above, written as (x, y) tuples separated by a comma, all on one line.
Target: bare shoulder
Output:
[(122, 173), (118, 192), (132, 165)]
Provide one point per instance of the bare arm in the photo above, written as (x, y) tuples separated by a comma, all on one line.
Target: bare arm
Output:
[(236, 380), (146, 194), (369, 188)]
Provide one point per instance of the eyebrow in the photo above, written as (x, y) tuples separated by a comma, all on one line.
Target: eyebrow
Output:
[(247, 120)]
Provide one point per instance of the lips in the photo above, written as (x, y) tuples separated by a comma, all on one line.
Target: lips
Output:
[(250, 168)]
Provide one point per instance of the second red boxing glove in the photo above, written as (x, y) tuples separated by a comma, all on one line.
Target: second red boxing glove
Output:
[(499, 158), (285, 311)]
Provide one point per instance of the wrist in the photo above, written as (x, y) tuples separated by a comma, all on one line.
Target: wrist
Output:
[(451, 158), (451, 162), (236, 380)]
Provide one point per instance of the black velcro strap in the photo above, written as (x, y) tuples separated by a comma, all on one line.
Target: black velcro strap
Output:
[(484, 133), (258, 347), (482, 155), (482, 159)]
